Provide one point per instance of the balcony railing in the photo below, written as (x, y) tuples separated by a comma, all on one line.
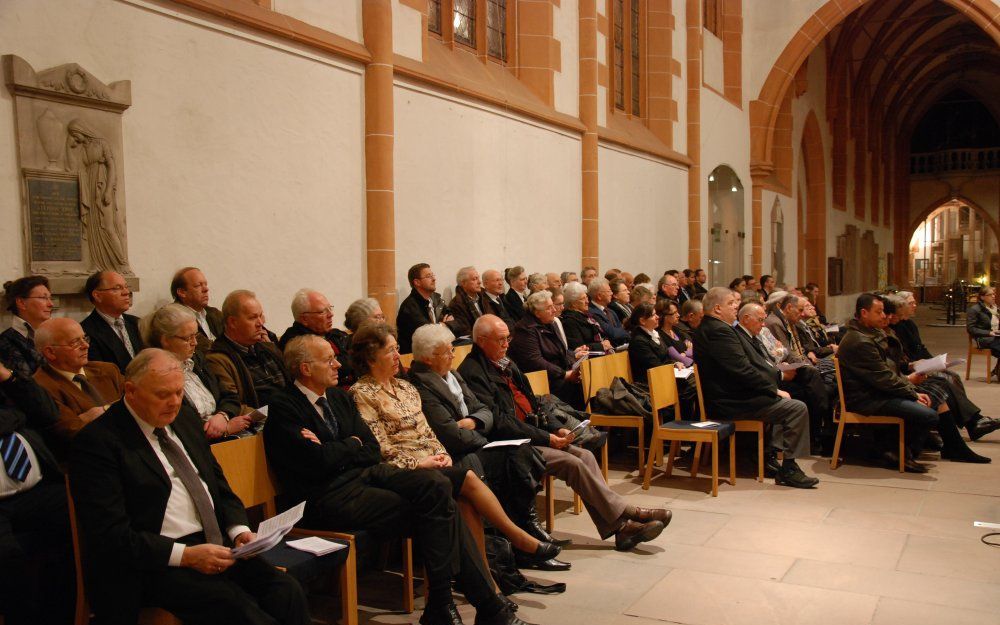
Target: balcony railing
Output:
[(967, 160)]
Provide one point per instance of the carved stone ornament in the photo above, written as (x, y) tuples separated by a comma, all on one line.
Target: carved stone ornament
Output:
[(69, 147)]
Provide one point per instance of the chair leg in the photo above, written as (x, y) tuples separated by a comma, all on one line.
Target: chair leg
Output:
[(577, 504), (836, 444), (550, 504), (641, 444), (902, 448), (696, 461), (760, 454), (732, 461), (989, 370), (349, 588), (407, 575), (968, 363), (648, 473), (674, 445), (715, 467)]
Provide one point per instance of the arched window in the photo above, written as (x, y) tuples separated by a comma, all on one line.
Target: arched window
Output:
[(725, 196)]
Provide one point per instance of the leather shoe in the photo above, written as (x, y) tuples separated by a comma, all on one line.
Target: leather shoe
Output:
[(441, 615), (535, 529), (548, 565), (635, 513), (543, 558), (632, 533), (934, 442), (792, 475), (982, 427), (502, 617), (891, 460), (771, 465)]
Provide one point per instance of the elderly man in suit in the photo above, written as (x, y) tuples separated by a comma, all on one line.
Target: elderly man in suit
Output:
[(493, 300), (323, 452), (114, 335), (599, 292), (467, 305), (82, 388), (35, 554), (190, 287), (740, 383), (422, 306), (158, 519)]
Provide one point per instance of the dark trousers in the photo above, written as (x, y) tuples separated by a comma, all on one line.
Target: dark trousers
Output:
[(514, 474), (991, 343), (250, 592), (389, 501), (808, 387), (918, 418), (36, 561)]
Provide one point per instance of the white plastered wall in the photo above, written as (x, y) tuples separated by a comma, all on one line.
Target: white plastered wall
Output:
[(407, 31), (566, 82), (342, 17), (642, 203), (768, 26), (478, 186), (242, 156)]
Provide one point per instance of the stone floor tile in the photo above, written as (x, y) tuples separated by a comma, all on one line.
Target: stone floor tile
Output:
[(965, 558), (897, 612)]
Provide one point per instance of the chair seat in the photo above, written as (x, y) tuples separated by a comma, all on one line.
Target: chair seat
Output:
[(725, 429), (303, 565)]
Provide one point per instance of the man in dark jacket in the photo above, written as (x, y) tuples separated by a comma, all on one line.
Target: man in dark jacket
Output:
[(190, 288), (873, 384), (114, 334), (500, 385), (739, 383), (322, 451), (536, 347), (467, 305), (423, 305), (314, 315)]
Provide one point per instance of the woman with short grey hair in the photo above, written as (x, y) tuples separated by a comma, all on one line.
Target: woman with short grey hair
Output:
[(362, 310), (428, 338), (580, 326), (537, 282)]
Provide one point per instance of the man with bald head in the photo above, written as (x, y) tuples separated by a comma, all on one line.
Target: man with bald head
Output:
[(313, 315), (157, 517), (493, 301), (82, 388), (190, 287), (114, 335)]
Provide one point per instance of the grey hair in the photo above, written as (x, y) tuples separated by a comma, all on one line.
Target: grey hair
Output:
[(573, 291), (463, 274), (897, 299), (787, 301), (906, 294), (749, 309), (690, 306), (165, 323), (300, 302), (716, 296), (143, 364), (595, 285), (358, 312), (233, 304), (774, 300), (428, 337), (297, 352), (537, 278), (537, 301)]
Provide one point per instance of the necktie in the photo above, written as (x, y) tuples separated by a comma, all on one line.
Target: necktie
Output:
[(430, 306), (189, 477), (794, 336), (89, 389), (328, 419), (123, 335), (15, 457), (762, 350)]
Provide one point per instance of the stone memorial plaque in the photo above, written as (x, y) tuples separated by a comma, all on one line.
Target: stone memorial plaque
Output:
[(54, 217)]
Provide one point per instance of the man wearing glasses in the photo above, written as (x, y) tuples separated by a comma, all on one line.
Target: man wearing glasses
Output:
[(422, 306), (314, 315), (114, 335), (82, 388), (190, 287)]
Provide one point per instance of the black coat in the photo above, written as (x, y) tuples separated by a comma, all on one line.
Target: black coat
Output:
[(340, 342), (736, 379), (443, 412), (498, 308), (622, 310), (870, 376), (465, 313), (106, 345), (644, 354), (611, 326), (225, 401), (18, 353), (306, 470), (120, 489), (581, 329), (413, 313), (515, 305), (536, 347), (909, 335), (978, 324), (26, 408)]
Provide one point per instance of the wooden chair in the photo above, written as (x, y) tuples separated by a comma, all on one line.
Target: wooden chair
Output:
[(742, 425), (975, 351), (598, 373), (852, 417), (405, 360), (539, 381), (461, 351), (663, 394)]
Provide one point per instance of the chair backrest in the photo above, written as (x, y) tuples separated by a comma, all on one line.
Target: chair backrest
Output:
[(405, 360), (539, 381), (701, 396), (620, 366), (595, 374), (663, 391), (461, 351), (244, 464), (840, 385)]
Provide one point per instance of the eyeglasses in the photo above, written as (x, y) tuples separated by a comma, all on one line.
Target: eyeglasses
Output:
[(76, 343), (323, 311), (503, 340), (190, 338), (379, 317), (428, 276), (47, 298), (328, 362), (118, 288), (392, 350)]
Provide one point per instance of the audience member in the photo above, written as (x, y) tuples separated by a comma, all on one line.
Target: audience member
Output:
[(423, 305), (645, 347), (767, 284), (114, 335), (599, 292), (982, 322), (537, 282), (313, 314), (568, 276), (679, 349), (682, 287), (493, 300), (691, 314), (641, 294), (151, 542), (190, 288), (612, 274), (873, 384), (587, 274), (554, 280), (628, 279), (517, 280), (739, 285), (578, 323), (620, 300), (559, 305), (738, 382), (466, 306), (811, 291), (644, 280), (667, 288), (35, 547), (174, 328), (700, 278), (29, 301), (243, 360), (82, 388), (322, 452), (500, 385)]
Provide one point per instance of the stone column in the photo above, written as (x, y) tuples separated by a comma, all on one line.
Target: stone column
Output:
[(588, 115), (758, 173), (379, 196), (693, 13)]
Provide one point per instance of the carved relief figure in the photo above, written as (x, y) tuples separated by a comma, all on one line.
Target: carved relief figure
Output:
[(92, 158)]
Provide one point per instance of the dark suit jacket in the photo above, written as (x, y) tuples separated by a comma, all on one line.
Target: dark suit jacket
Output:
[(978, 324), (582, 329), (307, 470), (909, 335), (226, 400), (624, 311), (120, 489), (214, 318), (443, 412), (697, 288), (870, 377), (413, 313), (486, 383), (644, 354), (465, 313), (536, 347), (611, 326), (735, 377), (27, 409), (515, 305), (499, 309), (106, 345), (103, 376)]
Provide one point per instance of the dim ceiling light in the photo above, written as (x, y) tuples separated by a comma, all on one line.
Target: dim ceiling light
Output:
[(735, 189), (711, 178)]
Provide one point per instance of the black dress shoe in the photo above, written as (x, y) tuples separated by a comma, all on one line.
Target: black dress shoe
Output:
[(503, 617), (508, 604), (966, 455), (792, 475), (548, 565), (771, 465), (535, 530), (633, 533), (982, 427), (891, 460), (543, 559), (934, 442), (441, 615)]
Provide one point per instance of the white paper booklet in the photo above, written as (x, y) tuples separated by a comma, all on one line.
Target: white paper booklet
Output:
[(514, 442), (935, 364), (683, 374), (316, 545), (270, 532)]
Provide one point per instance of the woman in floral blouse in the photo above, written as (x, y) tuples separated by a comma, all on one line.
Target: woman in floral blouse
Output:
[(391, 408)]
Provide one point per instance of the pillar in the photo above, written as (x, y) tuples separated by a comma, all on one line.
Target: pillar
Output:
[(693, 13), (588, 116)]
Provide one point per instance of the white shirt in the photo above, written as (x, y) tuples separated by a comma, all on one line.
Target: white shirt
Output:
[(312, 397), (9, 486), (181, 515), (202, 317), (653, 334), (22, 327), (195, 391)]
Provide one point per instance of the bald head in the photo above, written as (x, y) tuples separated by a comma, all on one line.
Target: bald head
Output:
[(154, 386), (493, 282), (63, 344)]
